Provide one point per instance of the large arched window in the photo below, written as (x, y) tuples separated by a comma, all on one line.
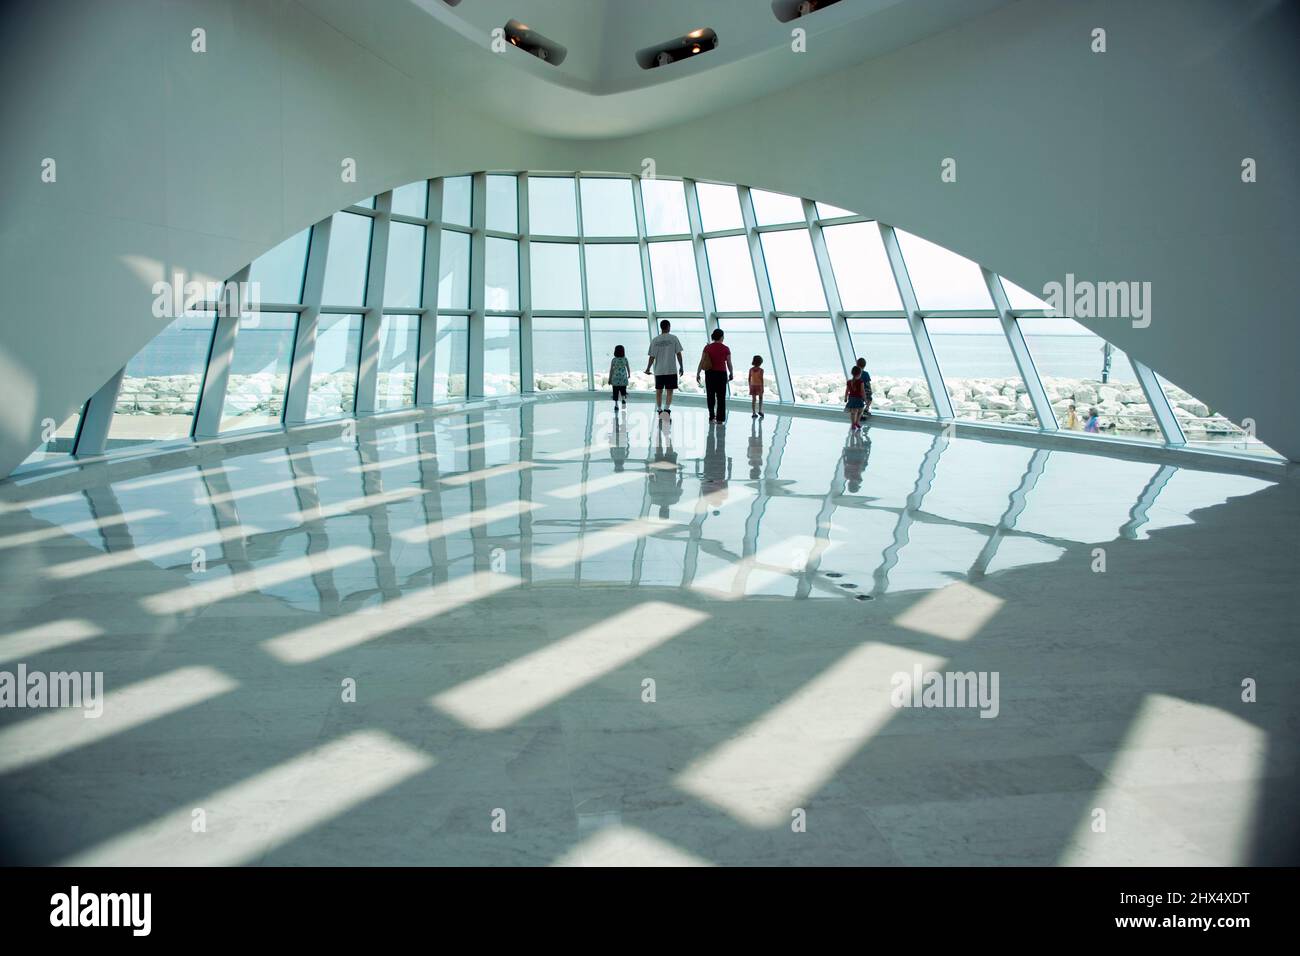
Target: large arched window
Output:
[(493, 284)]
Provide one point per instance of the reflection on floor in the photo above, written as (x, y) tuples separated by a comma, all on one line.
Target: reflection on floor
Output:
[(522, 635)]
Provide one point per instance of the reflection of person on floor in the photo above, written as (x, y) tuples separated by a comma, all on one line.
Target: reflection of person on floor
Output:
[(856, 451), (618, 449), (756, 450), (717, 466), (665, 476)]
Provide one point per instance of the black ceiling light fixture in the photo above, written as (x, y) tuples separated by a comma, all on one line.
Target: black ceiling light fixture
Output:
[(787, 10), (530, 41), (681, 48)]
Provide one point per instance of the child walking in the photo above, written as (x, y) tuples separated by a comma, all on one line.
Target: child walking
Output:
[(618, 376), (866, 386), (756, 387), (855, 399)]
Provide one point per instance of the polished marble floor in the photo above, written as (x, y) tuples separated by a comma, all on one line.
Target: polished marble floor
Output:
[(522, 635)]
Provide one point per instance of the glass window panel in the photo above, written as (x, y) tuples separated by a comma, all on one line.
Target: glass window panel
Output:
[(732, 274), (412, 199), (614, 278), (941, 278), (607, 207), (773, 208), (450, 357), (404, 275), (560, 355), (634, 336), (676, 284), (813, 359), (665, 207), (826, 211), (979, 371), (457, 199), (333, 386), (862, 273), (556, 280), (552, 207), (1207, 429), (719, 207), (399, 355), (1078, 368), (690, 332), (453, 271), (368, 203), (747, 338), (503, 203), (897, 381), (501, 275), (259, 371), (278, 273), (500, 355), (1019, 298), (348, 259), (792, 270), (160, 388)]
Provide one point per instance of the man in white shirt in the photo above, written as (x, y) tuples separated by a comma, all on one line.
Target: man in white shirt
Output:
[(666, 358)]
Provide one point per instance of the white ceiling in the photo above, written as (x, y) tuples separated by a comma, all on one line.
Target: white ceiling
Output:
[(599, 90)]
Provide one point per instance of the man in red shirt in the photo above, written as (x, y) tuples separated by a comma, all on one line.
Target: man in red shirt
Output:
[(717, 358)]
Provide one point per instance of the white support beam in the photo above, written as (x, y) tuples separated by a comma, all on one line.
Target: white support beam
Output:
[(708, 301), (831, 290), (304, 344), (427, 362), (1020, 351), (582, 281), (647, 280), (774, 344), (920, 336), (525, 290), (1159, 402), (98, 417), (373, 316), (212, 399), (477, 279)]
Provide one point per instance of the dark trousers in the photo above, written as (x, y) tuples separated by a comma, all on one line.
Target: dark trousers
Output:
[(715, 393)]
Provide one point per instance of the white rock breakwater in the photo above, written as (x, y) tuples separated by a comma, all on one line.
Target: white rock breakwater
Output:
[(1122, 407)]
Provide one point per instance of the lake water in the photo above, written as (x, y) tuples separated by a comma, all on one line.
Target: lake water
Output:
[(961, 356)]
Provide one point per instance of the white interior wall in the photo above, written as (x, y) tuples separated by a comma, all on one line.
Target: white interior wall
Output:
[(1123, 165)]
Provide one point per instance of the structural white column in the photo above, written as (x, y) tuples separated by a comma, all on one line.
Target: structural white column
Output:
[(707, 301), (774, 344), (1159, 402), (647, 281), (429, 297), (1020, 351), (304, 344), (212, 399), (920, 336), (832, 291), (582, 281), (477, 278), (525, 290), (98, 417), (373, 316)]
